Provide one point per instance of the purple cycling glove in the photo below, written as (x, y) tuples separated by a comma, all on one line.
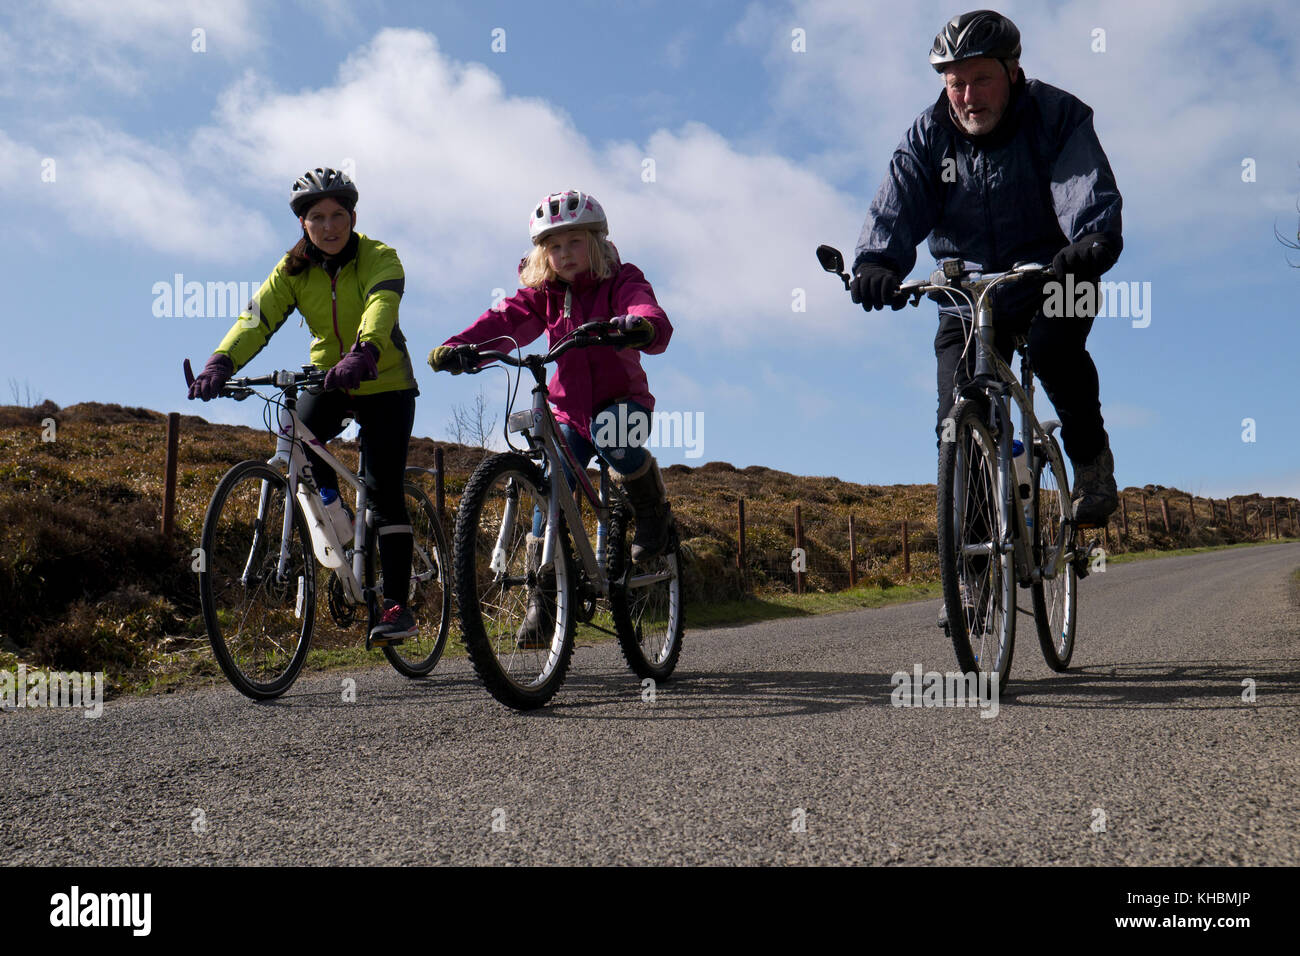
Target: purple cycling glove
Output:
[(208, 384), (640, 331), (359, 365)]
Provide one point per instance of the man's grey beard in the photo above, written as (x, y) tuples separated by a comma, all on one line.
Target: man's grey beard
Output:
[(985, 126)]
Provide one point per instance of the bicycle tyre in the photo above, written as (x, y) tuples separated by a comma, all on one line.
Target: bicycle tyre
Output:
[(492, 587), (429, 594), (245, 608), (982, 627), (1056, 601), (649, 621)]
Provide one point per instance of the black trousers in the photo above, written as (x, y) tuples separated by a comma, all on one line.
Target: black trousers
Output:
[(386, 420), (1059, 355)]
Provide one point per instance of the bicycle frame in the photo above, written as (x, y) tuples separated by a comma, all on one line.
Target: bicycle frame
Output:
[(994, 378), (545, 440), (290, 453), (1041, 448)]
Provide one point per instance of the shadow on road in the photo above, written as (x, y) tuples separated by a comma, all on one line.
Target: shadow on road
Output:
[(1185, 685)]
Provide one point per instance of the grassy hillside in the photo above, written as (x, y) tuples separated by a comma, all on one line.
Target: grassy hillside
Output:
[(87, 581)]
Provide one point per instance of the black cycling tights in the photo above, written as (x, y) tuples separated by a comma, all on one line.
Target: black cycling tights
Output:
[(386, 420), (1059, 354)]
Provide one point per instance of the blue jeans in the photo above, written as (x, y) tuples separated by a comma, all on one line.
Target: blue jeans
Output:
[(620, 432)]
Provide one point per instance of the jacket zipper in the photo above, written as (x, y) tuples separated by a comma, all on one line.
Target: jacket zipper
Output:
[(334, 309)]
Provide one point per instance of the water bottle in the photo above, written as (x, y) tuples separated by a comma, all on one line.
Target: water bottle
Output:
[(1020, 462), (338, 515), (323, 539)]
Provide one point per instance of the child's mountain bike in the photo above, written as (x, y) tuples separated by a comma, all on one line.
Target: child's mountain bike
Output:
[(496, 581)]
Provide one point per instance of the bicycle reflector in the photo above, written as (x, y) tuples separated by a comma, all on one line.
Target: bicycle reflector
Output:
[(522, 420)]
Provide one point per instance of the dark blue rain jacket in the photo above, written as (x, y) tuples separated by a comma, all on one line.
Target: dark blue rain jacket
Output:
[(1036, 183)]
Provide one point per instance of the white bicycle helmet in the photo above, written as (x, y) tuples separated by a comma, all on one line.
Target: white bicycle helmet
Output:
[(571, 209)]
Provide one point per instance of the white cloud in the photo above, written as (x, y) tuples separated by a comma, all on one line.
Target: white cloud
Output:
[(1175, 126), (125, 46), (449, 164), (109, 185), (1127, 416)]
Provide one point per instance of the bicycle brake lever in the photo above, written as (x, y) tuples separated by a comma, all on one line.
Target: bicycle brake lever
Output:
[(189, 373)]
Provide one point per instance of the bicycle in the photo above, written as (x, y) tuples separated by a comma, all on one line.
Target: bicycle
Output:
[(996, 531), (493, 578), (265, 531)]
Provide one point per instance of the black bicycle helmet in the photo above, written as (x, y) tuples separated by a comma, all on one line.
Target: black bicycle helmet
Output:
[(978, 33), (321, 183)]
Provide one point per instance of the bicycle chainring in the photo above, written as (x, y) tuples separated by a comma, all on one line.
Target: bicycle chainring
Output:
[(344, 614)]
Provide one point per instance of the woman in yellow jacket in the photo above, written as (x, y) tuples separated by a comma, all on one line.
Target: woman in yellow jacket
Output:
[(347, 287)]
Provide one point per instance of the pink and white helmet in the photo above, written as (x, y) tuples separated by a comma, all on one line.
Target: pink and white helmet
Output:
[(570, 209)]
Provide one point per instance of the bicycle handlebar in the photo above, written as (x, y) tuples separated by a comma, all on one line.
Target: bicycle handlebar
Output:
[(591, 333), (954, 276), (240, 388)]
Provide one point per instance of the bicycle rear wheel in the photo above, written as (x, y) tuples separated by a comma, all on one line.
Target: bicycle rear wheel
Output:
[(258, 585), (1056, 598), (429, 596), (648, 614), (979, 580), (494, 584)]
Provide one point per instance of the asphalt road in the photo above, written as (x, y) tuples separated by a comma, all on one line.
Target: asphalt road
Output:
[(778, 743)]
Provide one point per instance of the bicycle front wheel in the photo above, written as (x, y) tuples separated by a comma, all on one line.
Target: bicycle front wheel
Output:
[(496, 584), (979, 580), (257, 585), (428, 596), (648, 607), (1056, 598)]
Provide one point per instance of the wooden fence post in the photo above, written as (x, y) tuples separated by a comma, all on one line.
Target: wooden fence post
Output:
[(907, 554), (169, 484), (798, 543), (439, 487), (740, 539), (853, 555), (1123, 513), (1146, 518), (1164, 512), (1191, 510)]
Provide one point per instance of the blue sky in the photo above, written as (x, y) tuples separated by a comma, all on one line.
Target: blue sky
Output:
[(168, 160)]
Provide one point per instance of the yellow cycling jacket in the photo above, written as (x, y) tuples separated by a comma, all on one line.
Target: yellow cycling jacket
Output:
[(360, 303)]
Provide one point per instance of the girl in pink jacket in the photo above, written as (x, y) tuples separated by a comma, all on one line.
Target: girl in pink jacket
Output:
[(573, 276)]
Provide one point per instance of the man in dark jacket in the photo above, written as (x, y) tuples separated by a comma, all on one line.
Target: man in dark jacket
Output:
[(1001, 171)]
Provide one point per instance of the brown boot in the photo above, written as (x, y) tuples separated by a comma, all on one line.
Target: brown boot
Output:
[(1095, 494), (645, 490), (539, 622)]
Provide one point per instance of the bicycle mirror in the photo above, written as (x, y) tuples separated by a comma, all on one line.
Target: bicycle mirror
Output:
[(831, 259)]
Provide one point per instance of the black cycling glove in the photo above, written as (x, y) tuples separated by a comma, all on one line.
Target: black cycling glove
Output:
[(1088, 259), (874, 287)]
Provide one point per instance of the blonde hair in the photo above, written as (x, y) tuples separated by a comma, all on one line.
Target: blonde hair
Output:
[(600, 251)]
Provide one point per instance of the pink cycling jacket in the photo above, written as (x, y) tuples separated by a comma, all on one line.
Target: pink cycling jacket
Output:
[(585, 379)]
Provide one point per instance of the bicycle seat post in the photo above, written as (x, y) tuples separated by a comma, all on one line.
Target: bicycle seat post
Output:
[(602, 529)]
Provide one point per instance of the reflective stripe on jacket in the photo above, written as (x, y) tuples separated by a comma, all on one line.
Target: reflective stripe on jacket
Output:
[(358, 303)]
